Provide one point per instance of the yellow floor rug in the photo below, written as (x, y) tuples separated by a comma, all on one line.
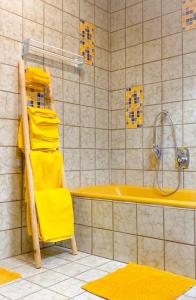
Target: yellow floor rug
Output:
[(7, 276), (137, 282)]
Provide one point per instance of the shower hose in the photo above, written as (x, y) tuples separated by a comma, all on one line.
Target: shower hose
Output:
[(159, 149)]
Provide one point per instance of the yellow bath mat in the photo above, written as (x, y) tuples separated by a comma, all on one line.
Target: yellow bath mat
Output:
[(137, 282), (7, 276)]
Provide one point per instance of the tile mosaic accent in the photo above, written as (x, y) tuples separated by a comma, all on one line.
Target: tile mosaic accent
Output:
[(87, 42), (188, 14), (35, 99), (134, 97)]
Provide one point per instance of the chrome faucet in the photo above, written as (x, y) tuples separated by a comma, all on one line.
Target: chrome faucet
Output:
[(183, 157)]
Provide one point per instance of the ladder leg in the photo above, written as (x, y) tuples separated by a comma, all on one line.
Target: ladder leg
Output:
[(33, 216), (37, 253), (74, 246)]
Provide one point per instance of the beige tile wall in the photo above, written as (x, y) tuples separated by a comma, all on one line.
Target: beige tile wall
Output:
[(158, 236), (149, 48), (81, 101)]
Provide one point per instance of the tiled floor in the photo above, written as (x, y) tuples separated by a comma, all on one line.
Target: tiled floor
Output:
[(61, 276)]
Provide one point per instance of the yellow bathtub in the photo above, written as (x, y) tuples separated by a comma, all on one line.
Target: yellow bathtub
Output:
[(139, 194)]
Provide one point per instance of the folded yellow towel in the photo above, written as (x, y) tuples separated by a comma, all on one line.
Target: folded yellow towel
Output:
[(36, 78), (7, 276), (137, 282), (55, 214), (43, 129)]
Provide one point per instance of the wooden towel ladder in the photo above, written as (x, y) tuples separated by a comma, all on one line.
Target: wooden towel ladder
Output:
[(32, 208)]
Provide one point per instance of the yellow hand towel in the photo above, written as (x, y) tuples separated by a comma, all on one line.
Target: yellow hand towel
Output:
[(47, 169), (36, 78), (55, 214), (43, 129)]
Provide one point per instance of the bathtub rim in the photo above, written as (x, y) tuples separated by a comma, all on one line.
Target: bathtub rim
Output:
[(82, 192)]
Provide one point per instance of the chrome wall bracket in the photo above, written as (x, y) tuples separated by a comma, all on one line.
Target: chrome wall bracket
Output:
[(183, 158)]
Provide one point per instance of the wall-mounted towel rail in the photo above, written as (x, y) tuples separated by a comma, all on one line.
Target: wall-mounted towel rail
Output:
[(33, 47)]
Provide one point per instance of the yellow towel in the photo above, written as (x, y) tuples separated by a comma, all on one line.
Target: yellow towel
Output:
[(53, 203), (7, 276), (20, 136), (47, 169), (36, 78), (137, 282), (55, 214), (43, 129)]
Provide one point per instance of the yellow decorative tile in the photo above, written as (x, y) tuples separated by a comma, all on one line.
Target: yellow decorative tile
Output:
[(35, 99), (134, 107), (87, 42), (188, 14)]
